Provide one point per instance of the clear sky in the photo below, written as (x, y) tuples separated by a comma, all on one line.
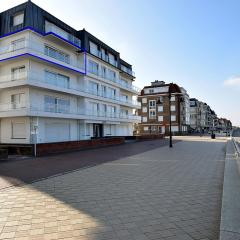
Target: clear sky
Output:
[(195, 44)]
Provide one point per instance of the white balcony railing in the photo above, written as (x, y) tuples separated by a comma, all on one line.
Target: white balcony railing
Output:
[(38, 77), (64, 110)]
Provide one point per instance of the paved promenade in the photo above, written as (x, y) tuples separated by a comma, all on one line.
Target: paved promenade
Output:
[(155, 193)]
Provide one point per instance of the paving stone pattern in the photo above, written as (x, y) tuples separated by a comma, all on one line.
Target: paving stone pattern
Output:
[(160, 193)]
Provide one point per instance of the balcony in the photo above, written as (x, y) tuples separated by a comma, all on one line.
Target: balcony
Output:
[(120, 83), (40, 80), (62, 111), (38, 50), (104, 57)]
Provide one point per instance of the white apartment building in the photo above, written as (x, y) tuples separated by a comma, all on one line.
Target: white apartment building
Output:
[(58, 85)]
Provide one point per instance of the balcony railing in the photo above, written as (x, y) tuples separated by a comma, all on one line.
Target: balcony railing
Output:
[(38, 77), (63, 109), (120, 82), (39, 48)]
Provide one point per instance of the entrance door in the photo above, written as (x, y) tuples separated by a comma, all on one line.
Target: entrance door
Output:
[(97, 130)]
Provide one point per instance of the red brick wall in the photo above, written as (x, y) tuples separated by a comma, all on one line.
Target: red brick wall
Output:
[(46, 148), (149, 136)]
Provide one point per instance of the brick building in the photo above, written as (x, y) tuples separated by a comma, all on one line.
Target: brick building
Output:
[(155, 109)]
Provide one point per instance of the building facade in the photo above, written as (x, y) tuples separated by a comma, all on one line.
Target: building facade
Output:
[(60, 84), (155, 109)]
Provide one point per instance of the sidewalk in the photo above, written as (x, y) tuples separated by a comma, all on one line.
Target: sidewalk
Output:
[(159, 193)]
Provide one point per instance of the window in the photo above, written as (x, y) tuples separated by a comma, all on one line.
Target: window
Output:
[(160, 118), (111, 93), (144, 100), (144, 109), (172, 98), (18, 100), (19, 130), (18, 73), (160, 108), (144, 119), (173, 108), (145, 128), (56, 79), (152, 114), (111, 111), (103, 72), (151, 90), (152, 104), (94, 49), (18, 19), (18, 44), (124, 113), (111, 75), (53, 104), (57, 54), (173, 118), (160, 99), (103, 91), (93, 67), (93, 87), (112, 59)]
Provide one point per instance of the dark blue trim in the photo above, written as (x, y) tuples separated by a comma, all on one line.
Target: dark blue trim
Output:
[(43, 59), (43, 34)]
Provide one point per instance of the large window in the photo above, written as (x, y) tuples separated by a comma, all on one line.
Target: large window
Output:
[(53, 104), (93, 67), (18, 19), (57, 54), (56, 79)]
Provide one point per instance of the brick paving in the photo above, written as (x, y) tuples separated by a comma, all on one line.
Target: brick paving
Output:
[(159, 193)]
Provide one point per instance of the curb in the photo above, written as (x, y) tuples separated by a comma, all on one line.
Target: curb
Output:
[(230, 211)]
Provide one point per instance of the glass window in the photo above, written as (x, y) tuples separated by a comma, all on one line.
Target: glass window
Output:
[(111, 75), (152, 104), (173, 118), (160, 118), (152, 114), (93, 87), (173, 108), (18, 19), (160, 108), (93, 67), (144, 100), (56, 79)]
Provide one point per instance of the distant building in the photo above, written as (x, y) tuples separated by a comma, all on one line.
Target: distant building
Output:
[(155, 113)]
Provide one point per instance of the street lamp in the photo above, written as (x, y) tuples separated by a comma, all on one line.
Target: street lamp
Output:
[(170, 115)]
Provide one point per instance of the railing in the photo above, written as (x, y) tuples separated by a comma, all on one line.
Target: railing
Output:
[(118, 81), (39, 48), (104, 57), (63, 109), (35, 77)]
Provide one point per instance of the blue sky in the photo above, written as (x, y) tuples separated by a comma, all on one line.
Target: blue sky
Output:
[(193, 43)]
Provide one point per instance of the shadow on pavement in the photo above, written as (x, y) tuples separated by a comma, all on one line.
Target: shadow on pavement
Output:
[(33, 169)]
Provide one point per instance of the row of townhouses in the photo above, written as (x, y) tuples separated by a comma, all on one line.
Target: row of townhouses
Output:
[(161, 102), (60, 84), (203, 118)]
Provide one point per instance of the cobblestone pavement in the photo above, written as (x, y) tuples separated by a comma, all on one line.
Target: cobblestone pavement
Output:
[(157, 194)]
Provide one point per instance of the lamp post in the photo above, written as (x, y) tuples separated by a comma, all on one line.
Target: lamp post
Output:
[(170, 115)]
